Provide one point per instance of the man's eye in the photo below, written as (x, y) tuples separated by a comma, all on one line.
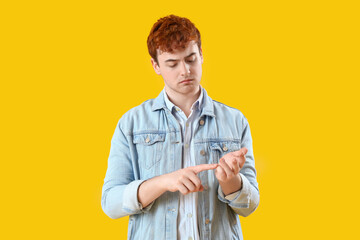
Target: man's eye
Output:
[(191, 59), (172, 66)]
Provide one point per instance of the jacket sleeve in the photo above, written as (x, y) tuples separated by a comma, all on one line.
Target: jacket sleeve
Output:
[(119, 192), (245, 201)]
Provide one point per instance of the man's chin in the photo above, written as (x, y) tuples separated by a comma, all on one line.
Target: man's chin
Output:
[(189, 88)]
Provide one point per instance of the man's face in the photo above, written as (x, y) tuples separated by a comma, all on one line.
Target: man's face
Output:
[(181, 69)]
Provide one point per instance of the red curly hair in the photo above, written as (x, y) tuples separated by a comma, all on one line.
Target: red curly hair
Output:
[(170, 33)]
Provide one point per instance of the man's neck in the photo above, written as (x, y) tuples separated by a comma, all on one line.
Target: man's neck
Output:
[(183, 101)]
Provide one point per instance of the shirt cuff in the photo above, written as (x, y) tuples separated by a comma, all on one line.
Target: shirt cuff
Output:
[(232, 196)]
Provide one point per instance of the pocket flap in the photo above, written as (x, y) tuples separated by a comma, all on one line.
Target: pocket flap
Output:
[(225, 146), (148, 138)]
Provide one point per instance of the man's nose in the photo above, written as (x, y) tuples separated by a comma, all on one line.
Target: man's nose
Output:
[(185, 68)]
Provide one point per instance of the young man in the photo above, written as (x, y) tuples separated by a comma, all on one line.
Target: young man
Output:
[(181, 165)]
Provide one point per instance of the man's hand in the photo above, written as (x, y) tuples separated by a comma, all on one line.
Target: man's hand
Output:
[(186, 180), (228, 170)]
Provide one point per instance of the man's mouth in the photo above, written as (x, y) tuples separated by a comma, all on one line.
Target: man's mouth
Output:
[(186, 81)]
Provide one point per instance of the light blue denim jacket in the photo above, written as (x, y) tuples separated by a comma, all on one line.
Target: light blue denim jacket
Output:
[(147, 143)]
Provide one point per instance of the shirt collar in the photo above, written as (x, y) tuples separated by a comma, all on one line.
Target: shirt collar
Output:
[(197, 105)]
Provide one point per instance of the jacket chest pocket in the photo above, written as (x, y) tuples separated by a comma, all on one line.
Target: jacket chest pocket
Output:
[(149, 147), (220, 148)]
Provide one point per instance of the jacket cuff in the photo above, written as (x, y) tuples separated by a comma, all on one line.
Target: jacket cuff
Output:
[(131, 202), (239, 199)]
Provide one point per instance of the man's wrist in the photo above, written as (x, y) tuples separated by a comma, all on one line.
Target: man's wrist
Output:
[(162, 182), (231, 186)]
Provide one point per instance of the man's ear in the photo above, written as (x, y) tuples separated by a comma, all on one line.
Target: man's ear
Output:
[(155, 66)]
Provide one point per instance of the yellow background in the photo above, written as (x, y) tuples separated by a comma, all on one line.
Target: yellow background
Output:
[(70, 69)]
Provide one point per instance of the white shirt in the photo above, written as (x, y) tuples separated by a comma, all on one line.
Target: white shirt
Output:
[(187, 218)]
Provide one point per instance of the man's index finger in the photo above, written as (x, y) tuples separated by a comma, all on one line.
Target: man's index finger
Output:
[(242, 151), (204, 167)]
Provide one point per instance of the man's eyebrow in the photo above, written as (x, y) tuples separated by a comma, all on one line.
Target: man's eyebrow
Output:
[(174, 60), (191, 54), (171, 60)]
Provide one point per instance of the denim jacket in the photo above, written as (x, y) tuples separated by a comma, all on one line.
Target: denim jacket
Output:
[(147, 143)]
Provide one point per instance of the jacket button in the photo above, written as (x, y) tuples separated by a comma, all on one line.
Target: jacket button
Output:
[(202, 152), (207, 221), (147, 139), (225, 148), (202, 122)]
